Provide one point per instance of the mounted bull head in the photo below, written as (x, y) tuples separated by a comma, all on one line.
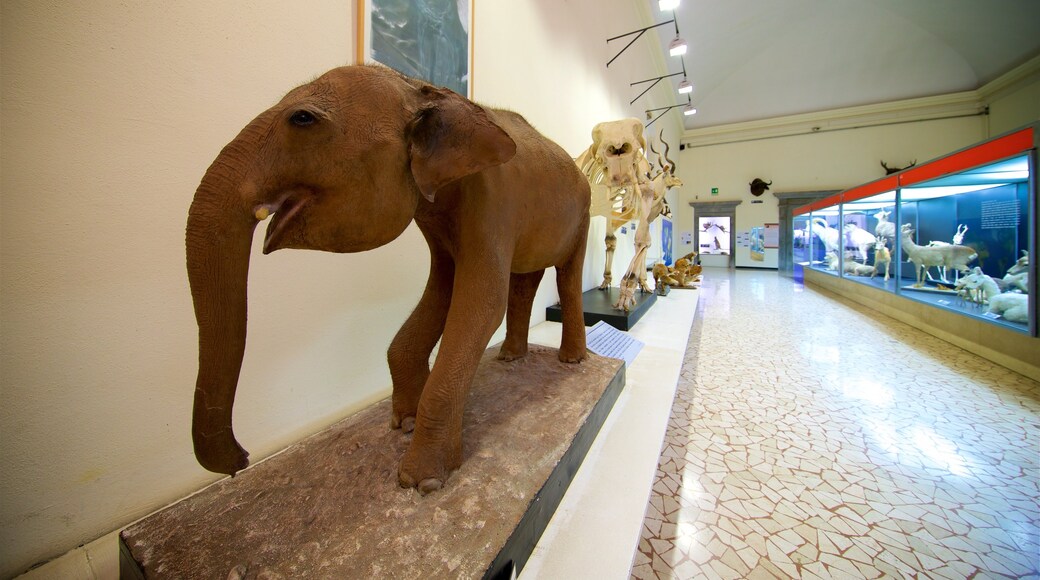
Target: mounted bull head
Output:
[(618, 146), (891, 170), (758, 187)]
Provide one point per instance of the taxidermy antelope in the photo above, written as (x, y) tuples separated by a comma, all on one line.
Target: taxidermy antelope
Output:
[(978, 287), (881, 256), (1017, 277), (924, 257)]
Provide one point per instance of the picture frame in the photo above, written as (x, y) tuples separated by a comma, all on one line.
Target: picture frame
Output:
[(427, 39)]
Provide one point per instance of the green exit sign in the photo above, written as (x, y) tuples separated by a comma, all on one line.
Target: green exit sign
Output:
[(714, 191)]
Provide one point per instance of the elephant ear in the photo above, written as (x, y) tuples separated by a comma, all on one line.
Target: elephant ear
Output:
[(452, 137)]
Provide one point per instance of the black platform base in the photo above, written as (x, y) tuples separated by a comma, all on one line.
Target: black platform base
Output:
[(599, 305)]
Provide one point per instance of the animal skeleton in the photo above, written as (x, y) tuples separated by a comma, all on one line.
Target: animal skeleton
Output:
[(622, 191)]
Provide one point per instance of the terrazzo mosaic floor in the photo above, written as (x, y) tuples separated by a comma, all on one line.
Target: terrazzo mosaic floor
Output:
[(812, 438)]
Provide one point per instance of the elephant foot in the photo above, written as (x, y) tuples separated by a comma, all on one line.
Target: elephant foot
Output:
[(426, 468), (406, 424), (569, 357), (511, 354)]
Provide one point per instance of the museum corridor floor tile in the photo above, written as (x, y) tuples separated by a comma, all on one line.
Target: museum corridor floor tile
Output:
[(810, 438)]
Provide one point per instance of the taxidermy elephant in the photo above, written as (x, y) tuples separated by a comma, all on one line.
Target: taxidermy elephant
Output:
[(344, 164)]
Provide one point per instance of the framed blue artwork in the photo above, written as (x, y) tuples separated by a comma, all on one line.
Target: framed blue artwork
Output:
[(427, 39), (666, 241)]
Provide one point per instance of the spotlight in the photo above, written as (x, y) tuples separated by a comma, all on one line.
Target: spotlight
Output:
[(685, 87), (689, 110), (668, 4), (677, 47)]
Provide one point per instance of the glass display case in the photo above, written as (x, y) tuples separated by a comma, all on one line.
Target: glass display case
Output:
[(800, 240), (825, 238), (869, 234), (956, 232), (965, 241)]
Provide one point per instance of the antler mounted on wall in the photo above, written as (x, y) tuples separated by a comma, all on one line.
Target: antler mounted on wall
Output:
[(891, 170)]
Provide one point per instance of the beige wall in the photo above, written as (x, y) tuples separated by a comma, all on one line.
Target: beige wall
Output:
[(844, 158), (832, 160), (111, 113)]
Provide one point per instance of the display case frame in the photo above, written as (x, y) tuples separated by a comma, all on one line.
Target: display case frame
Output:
[(1003, 173)]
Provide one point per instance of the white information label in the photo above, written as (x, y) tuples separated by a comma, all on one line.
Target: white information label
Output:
[(605, 340)]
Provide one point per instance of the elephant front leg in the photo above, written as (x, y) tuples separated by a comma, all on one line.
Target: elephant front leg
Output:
[(478, 304), (409, 354)]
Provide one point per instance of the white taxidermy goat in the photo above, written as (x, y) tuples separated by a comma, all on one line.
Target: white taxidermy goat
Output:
[(827, 234), (860, 238), (881, 256), (924, 257), (885, 228), (1013, 307), (977, 287)]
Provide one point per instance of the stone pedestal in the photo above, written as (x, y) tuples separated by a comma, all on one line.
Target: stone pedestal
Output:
[(330, 506)]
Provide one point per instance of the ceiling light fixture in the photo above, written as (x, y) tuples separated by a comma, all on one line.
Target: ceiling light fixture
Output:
[(689, 110), (668, 4), (677, 47), (685, 87)]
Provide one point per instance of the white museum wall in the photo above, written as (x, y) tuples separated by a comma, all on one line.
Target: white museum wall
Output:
[(111, 113), (1014, 99), (832, 160)]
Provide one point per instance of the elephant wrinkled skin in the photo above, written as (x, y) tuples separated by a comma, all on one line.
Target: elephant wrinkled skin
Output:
[(344, 164)]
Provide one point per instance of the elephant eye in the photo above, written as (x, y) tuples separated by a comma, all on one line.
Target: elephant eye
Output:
[(303, 118)]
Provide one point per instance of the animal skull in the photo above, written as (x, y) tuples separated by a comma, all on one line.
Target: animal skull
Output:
[(618, 146)]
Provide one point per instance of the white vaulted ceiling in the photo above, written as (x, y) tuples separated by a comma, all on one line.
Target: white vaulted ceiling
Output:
[(759, 59)]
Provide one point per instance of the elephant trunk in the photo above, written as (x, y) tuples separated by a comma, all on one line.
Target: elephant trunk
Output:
[(218, 239)]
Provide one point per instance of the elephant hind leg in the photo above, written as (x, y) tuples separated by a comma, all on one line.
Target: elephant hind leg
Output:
[(522, 288)]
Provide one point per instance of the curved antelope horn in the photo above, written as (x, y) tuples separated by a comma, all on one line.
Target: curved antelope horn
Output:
[(654, 151), (671, 164)]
